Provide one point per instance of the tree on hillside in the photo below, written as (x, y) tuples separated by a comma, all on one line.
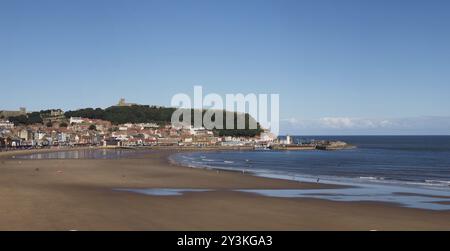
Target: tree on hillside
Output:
[(160, 115)]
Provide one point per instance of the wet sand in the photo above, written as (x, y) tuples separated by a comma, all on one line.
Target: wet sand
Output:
[(79, 195)]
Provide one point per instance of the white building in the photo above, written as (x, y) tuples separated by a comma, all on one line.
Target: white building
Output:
[(25, 134), (267, 136), (6, 124), (288, 140), (147, 125), (39, 135), (63, 137), (232, 143), (200, 131), (76, 120)]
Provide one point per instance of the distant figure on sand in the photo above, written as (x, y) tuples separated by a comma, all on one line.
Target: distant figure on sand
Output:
[(318, 180)]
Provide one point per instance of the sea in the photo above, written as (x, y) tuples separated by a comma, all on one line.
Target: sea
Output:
[(410, 170), (412, 160)]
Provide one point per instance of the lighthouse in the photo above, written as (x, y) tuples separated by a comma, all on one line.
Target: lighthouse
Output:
[(288, 140)]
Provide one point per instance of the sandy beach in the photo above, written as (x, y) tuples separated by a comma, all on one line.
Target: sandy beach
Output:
[(78, 194)]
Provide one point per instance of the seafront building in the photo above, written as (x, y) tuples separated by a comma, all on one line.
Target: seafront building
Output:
[(77, 131)]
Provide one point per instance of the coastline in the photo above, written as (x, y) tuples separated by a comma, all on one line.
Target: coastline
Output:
[(65, 194)]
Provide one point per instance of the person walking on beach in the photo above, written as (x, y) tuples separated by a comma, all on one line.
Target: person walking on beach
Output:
[(318, 180)]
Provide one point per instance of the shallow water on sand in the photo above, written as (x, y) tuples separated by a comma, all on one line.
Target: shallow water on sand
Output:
[(160, 191), (86, 154), (407, 197)]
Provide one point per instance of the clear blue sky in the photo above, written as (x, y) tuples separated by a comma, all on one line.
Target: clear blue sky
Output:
[(340, 67)]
